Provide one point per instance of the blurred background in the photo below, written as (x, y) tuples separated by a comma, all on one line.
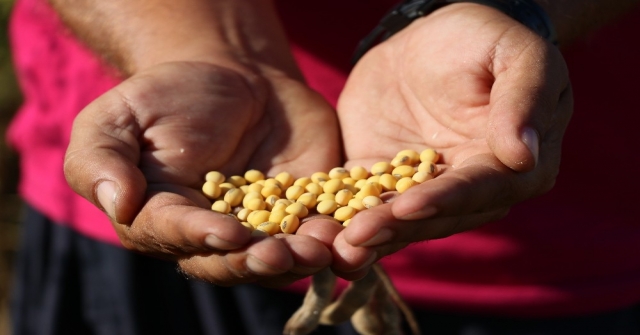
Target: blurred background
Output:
[(10, 208)]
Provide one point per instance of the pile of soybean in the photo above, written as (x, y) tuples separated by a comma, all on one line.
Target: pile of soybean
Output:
[(278, 204)]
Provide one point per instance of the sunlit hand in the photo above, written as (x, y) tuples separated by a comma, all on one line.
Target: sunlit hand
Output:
[(140, 152), (488, 94)]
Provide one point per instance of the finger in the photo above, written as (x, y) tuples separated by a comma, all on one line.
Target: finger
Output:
[(479, 184), (102, 158), (380, 231), (321, 227), (528, 84), (261, 258)]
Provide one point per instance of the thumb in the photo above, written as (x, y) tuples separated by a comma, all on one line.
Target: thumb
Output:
[(524, 99), (101, 160)]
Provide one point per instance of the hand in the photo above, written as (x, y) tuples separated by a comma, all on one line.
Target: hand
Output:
[(140, 152), (488, 94)]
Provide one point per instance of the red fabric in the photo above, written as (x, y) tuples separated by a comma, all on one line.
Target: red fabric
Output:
[(573, 250)]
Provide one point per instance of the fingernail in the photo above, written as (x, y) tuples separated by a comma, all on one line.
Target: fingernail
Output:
[(106, 193), (382, 236), (259, 267), (214, 242), (531, 140), (423, 213)]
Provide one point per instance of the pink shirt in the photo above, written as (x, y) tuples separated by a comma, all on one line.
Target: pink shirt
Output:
[(573, 250)]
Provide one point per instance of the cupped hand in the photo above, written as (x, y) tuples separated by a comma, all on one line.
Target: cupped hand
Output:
[(489, 95), (140, 152)]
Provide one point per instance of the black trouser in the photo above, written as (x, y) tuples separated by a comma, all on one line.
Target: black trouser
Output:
[(68, 284)]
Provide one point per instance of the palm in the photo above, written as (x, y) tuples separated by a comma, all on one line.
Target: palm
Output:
[(178, 122), (468, 95)]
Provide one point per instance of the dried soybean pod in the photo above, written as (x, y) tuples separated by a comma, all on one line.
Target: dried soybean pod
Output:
[(317, 177), (314, 188), (421, 177), (305, 319), (357, 204), (343, 196), (427, 167), (289, 224), (294, 192), (308, 199), (358, 173), (344, 213), (338, 173), (298, 210), (211, 189), (215, 177), (327, 207), (414, 156), (269, 227), (381, 168), (234, 197), (371, 201), (243, 214), (403, 171), (326, 196), (388, 182), (285, 179), (404, 184), (257, 217), (221, 206), (303, 181), (332, 186), (253, 176), (429, 155), (237, 181), (353, 297)]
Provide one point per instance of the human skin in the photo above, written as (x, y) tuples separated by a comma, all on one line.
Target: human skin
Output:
[(492, 97), (204, 90)]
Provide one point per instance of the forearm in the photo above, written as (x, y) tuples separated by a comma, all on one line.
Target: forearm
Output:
[(575, 18), (134, 35)]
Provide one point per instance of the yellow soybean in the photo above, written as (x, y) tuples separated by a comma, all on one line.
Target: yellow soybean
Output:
[(343, 196), (421, 176), (358, 173), (381, 168), (404, 184), (234, 197), (427, 167), (285, 179), (243, 214), (308, 199), (289, 224), (338, 173), (304, 181), (344, 213), (294, 192), (429, 155), (298, 210), (317, 177), (215, 177), (237, 181), (388, 182), (400, 160), (269, 227), (277, 216), (332, 186), (403, 171), (211, 189), (412, 155), (221, 206), (253, 176), (371, 201), (357, 204), (314, 188), (327, 207), (326, 196), (268, 190), (257, 217)]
